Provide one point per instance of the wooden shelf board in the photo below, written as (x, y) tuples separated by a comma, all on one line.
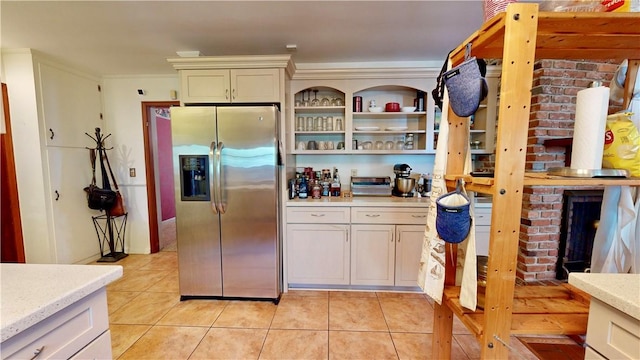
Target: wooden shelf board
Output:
[(485, 184), (556, 310), (564, 35)]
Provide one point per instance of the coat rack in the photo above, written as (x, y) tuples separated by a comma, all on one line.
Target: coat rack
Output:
[(110, 229)]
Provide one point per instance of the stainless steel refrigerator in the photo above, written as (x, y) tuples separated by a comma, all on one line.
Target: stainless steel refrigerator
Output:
[(226, 165)]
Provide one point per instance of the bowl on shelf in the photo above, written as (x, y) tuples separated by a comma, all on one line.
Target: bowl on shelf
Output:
[(375, 109), (408, 108), (392, 107)]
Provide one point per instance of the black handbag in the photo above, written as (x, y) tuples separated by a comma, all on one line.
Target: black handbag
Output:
[(98, 198)]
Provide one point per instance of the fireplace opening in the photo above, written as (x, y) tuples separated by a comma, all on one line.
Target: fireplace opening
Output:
[(580, 217)]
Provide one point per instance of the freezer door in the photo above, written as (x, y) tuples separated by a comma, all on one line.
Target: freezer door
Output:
[(198, 226), (248, 201)]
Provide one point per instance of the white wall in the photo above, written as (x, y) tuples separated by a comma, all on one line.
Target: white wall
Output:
[(123, 116)]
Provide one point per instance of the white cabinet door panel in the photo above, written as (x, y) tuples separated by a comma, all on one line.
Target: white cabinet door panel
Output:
[(74, 234), (255, 85), (318, 254), (205, 86), (70, 106), (409, 240), (372, 254)]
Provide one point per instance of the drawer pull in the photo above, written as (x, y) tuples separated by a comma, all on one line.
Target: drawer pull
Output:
[(37, 353), (318, 215), (373, 215), (418, 216)]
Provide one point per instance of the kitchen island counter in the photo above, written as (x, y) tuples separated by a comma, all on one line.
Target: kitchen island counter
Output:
[(613, 329), (620, 291), (31, 293)]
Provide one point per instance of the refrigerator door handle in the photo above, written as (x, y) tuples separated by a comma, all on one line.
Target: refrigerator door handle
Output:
[(212, 160), (220, 204)]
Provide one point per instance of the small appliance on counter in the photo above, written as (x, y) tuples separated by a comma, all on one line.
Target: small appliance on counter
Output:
[(403, 184), (370, 186)]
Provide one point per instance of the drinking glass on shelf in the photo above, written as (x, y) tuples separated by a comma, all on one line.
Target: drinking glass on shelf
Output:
[(317, 123), (300, 124), (300, 101), (337, 102), (315, 101), (339, 124), (325, 102), (309, 124), (305, 102), (329, 123)]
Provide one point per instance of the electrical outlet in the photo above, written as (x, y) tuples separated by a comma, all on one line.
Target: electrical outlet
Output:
[(354, 172), (132, 172)]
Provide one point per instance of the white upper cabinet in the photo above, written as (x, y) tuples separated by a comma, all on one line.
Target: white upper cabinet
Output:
[(233, 79), (230, 86), (70, 104)]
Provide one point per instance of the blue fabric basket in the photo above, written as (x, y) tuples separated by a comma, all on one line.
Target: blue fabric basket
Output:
[(453, 223), (466, 87)]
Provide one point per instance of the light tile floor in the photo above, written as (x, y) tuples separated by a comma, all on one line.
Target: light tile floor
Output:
[(148, 321)]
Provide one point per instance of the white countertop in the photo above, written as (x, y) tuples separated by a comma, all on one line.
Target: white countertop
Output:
[(378, 201), (621, 291), (32, 292)]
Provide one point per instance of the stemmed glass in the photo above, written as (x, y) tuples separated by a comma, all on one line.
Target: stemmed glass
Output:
[(305, 102), (315, 101)]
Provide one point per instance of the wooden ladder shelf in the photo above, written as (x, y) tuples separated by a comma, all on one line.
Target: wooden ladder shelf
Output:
[(519, 36)]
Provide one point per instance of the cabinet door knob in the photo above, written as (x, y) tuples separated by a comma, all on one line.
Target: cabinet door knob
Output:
[(226, 94), (373, 215), (37, 353), (317, 215), (418, 216), (233, 94), (57, 195), (52, 134)]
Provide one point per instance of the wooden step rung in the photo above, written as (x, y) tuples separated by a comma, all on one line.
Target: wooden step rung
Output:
[(542, 324)]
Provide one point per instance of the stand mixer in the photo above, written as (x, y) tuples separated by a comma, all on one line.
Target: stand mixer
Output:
[(403, 185)]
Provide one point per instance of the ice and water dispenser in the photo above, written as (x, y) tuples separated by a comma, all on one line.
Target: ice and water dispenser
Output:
[(194, 178)]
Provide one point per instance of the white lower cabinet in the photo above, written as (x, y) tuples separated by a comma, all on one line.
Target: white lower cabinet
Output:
[(80, 330), (359, 246), (612, 333), (318, 254), (318, 248)]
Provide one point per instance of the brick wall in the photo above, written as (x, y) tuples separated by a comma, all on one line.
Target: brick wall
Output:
[(553, 102)]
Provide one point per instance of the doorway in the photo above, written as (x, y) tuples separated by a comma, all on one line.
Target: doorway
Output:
[(12, 245), (156, 123)]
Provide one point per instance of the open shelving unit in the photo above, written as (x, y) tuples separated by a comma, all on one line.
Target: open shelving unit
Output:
[(519, 36)]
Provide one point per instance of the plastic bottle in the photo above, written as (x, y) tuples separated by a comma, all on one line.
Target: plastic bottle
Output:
[(292, 189), (303, 190)]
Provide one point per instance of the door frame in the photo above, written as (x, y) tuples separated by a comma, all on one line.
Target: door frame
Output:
[(12, 247), (152, 201)]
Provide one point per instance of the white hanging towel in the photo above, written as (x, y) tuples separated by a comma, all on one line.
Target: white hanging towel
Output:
[(432, 261), (617, 240), (467, 254)]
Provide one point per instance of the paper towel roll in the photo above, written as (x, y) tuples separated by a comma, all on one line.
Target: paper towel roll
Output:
[(588, 134)]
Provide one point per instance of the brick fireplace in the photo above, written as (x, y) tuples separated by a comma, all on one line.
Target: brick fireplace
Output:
[(554, 90)]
